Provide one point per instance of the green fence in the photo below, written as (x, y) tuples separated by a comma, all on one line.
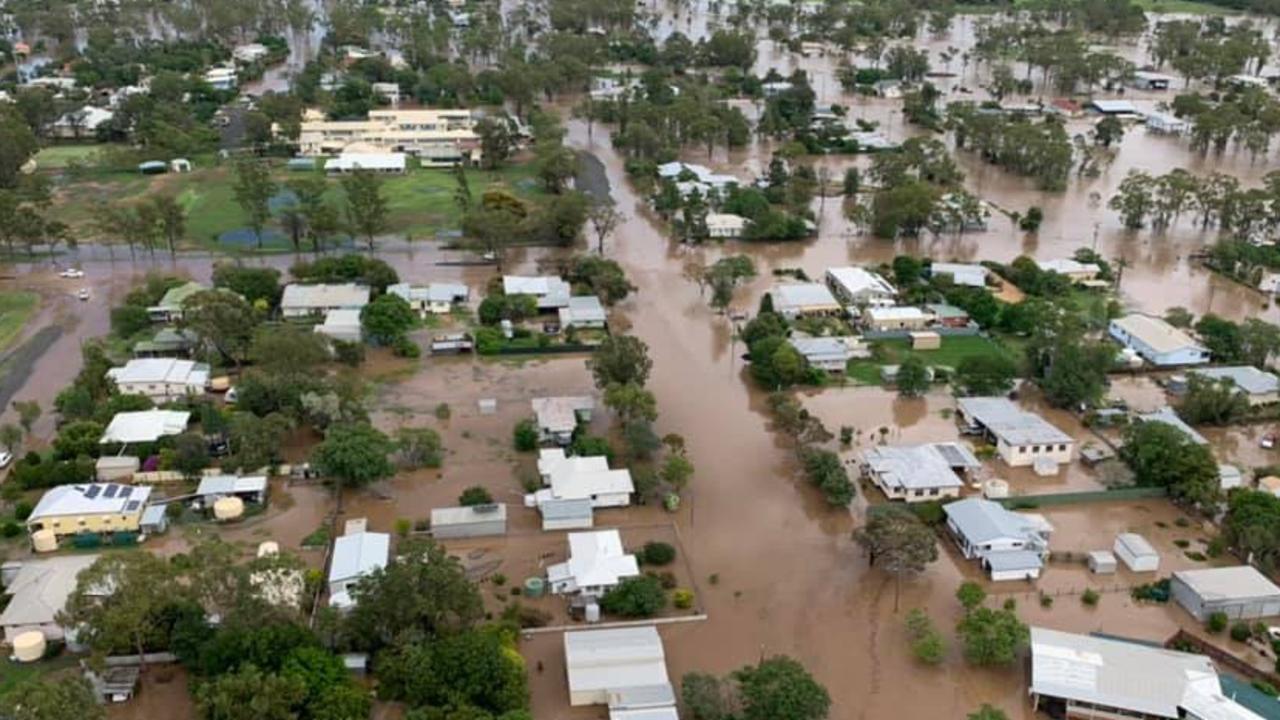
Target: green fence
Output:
[(1071, 498)]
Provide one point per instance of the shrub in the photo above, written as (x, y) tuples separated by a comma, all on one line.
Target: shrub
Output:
[(1090, 597), (1240, 631), (1217, 622), (10, 529), (1046, 601), (657, 553), (927, 643), (443, 412), (403, 526), (641, 596), (319, 538), (475, 495), (587, 445), (406, 348), (1216, 547), (525, 435), (22, 510), (348, 353), (682, 598), (1195, 555), (1184, 544), (498, 579), (930, 512)]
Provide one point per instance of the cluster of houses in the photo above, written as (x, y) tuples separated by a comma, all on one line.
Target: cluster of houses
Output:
[(554, 295)]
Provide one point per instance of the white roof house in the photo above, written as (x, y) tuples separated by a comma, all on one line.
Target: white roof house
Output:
[(583, 311), (1258, 385), (917, 473), (39, 592), (1167, 123), (1115, 677), (342, 325), (558, 416), (861, 287), (250, 52), (596, 563), (354, 556), (1010, 545), (624, 668), (1158, 342), (1073, 269), (793, 300), (550, 291), (160, 379), (1114, 107), (300, 300), (90, 499), (437, 297), (1021, 437), (961, 273), (725, 225), (392, 162), (829, 353), (145, 426), (896, 316), (86, 120), (582, 478)]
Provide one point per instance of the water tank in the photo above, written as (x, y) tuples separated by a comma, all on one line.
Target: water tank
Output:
[(228, 508), (268, 548), (995, 488), (534, 587), (44, 541), (592, 612), (29, 646)]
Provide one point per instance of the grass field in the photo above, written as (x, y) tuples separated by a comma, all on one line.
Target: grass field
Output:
[(13, 674), (893, 352), (1187, 7), (16, 308)]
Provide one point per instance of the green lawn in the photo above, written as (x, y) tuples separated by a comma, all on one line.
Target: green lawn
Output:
[(13, 674), (16, 308), (893, 352), (57, 157), (1189, 7)]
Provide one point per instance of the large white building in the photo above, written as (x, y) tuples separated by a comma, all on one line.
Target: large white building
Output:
[(582, 478), (624, 668), (596, 564), (38, 592), (144, 426), (1156, 341), (855, 286), (435, 137), (795, 300), (550, 291), (1021, 438), (919, 473), (161, 379)]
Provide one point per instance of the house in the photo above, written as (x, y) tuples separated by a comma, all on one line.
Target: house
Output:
[(725, 225), (91, 507), (169, 309), (155, 520), (388, 91), (1020, 437), (145, 426), (558, 416), (167, 342), (596, 564), (81, 123), (1009, 545), (435, 137), (1167, 416), (583, 311), (451, 523), (831, 354), (249, 488), (1146, 80), (550, 291), (696, 177), (961, 274), (1136, 553), (1088, 676), (855, 286), (355, 555), (250, 53), (389, 163), (896, 317), (581, 478), (310, 300), (1167, 123), (342, 325), (917, 473), (624, 668), (871, 141), (221, 78), (795, 300), (1119, 108), (1071, 269), (1156, 341), (948, 315), (38, 592), (1258, 386), (437, 298), (1246, 81), (161, 379), (1241, 592)]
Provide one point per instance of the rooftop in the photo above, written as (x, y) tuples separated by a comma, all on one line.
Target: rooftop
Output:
[(1007, 421), (320, 297), (468, 514), (231, 484), (1067, 266), (596, 559), (800, 296), (856, 280), (615, 660), (91, 499), (1136, 545), (961, 274), (1154, 332), (40, 589), (145, 426), (1228, 583), (896, 312), (981, 520), (1247, 378), (911, 467), (367, 161), (539, 285), (582, 309), (161, 370), (560, 414), (1167, 416), (358, 554), (175, 296), (816, 349)]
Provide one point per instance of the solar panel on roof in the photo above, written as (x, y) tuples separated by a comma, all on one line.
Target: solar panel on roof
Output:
[(110, 492), (952, 454), (132, 505), (126, 491), (92, 491)]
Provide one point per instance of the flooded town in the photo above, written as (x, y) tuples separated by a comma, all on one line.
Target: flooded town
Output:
[(701, 359)]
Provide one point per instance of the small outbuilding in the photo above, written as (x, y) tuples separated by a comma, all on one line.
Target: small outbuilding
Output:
[(569, 514), (1241, 592), (1102, 562), (925, 340), (467, 522), (1136, 553)]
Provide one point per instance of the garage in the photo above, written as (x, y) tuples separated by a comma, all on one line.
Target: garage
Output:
[(1241, 592)]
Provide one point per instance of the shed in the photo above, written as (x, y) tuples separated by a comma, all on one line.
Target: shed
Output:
[(468, 522), (1102, 562), (926, 340), (571, 514), (1136, 553), (250, 488), (1241, 592), (1229, 476), (1013, 565), (115, 467), (154, 520)]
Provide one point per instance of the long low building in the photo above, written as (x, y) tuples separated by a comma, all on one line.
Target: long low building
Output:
[(919, 473), (624, 668), (144, 426), (1156, 341), (1009, 545), (1021, 438), (161, 379), (306, 300), (1083, 676), (795, 300), (435, 137), (92, 507), (1258, 386), (1241, 592)]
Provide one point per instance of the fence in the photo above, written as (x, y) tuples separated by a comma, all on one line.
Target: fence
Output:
[(1071, 498), (1183, 639), (944, 331)]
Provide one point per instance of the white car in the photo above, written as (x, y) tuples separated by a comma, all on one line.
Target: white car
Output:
[(71, 273), (83, 294), (6, 457)]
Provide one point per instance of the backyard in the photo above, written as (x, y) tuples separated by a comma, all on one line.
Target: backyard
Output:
[(893, 352)]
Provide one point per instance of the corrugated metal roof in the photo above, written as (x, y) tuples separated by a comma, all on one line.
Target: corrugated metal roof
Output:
[(911, 467), (1245, 377), (1011, 423), (1241, 582)]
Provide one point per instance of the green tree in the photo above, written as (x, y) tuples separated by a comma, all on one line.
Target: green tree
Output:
[(988, 712), (478, 670), (1222, 338), (496, 142), (1162, 455), (11, 438), (287, 349), (78, 438), (1259, 341), (971, 595), (171, 217), (142, 586), (1212, 402), (895, 538), (676, 471), (621, 360), (353, 456), (825, 471), (52, 699), (255, 284), (987, 374), (222, 321), (250, 694), (419, 447), (387, 318), (29, 412), (779, 688), (903, 209), (1252, 526), (602, 277), (1108, 131), (637, 597), (725, 275), (927, 644), (190, 454), (129, 320), (992, 637), (912, 378), (631, 402), (525, 435), (366, 204), (475, 495), (704, 696), (253, 189)]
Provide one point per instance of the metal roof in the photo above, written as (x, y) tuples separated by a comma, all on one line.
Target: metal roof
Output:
[(90, 499), (1010, 423), (1013, 560), (1114, 107), (804, 296), (819, 349), (366, 161), (1167, 416), (320, 297), (575, 509), (491, 512), (1241, 582), (1067, 266), (1136, 545), (961, 274), (596, 559), (911, 467), (615, 659), (1247, 378), (40, 589), (145, 426), (560, 414), (231, 484), (1155, 333), (358, 554), (855, 280), (896, 312), (161, 370), (582, 309), (981, 521)]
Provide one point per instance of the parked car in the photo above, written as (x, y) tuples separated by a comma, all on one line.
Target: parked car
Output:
[(71, 273), (1268, 441), (83, 294), (6, 457)]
